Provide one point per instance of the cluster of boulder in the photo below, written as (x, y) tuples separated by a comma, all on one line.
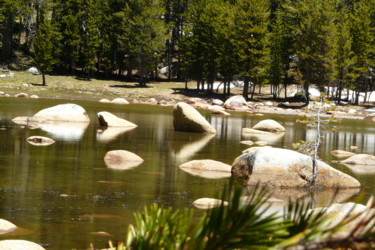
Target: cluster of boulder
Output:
[(267, 166), (275, 168), (19, 95)]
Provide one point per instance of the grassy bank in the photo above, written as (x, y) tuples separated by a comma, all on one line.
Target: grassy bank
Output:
[(71, 87)]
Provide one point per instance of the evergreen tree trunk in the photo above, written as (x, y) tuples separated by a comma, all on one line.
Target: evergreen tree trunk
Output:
[(285, 91), (44, 79), (253, 91), (246, 88)]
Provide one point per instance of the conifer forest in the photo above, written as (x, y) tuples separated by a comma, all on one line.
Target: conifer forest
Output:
[(306, 42)]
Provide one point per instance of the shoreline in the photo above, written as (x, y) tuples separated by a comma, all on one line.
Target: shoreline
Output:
[(25, 85)]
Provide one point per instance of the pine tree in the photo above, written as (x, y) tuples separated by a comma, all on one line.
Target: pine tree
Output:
[(280, 43), (144, 36), (251, 22), (363, 43), (343, 54), (68, 14), (90, 36), (46, 47), (314, 30), (9, 11)]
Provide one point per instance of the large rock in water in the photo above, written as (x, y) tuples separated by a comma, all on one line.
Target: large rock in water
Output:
[(360, 159), (269, 126), (64, 112), (122, 159), (6, 226), (277, 167), (337, 212), (19, 245), (188, 119), (107, 119), (207, 168)]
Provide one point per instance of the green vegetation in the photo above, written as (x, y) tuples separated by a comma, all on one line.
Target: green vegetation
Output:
[(306, 42), (244, 224)]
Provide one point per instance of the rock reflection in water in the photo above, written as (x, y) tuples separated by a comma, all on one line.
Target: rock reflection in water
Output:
[(317, 198), (361, 169), (67, 131), (272, 139), (182, 151), (111, 133)]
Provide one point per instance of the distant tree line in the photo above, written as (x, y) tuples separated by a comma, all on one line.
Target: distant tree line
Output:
[(320, 42)]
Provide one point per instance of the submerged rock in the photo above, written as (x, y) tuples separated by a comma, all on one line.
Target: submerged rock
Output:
[(207, 168), (122, 159), (188, 119), (40, 141), (285, 168), (107, 119), (207, 203)]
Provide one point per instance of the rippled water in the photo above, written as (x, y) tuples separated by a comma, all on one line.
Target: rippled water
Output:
[(62, 195)]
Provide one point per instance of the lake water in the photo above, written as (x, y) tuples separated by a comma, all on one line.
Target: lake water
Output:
[(62, 195)]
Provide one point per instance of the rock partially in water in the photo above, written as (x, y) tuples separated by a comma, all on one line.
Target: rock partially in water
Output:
[(104, 100), (251, 149), (361, 169), (122, 160), (217, 102), (188, 119), (207, 203), (40, 141), (107, 119), (63, 113), (101, 233), (251, 131), (337, 212), (6, 226), (258, 135), (19, 245), (360, 159), (370, 118), (285, 168), (119, 101), (22, 95), (261, 143), (249, 143), (234, 102), (342, 153), (269, 125), (207, 168)]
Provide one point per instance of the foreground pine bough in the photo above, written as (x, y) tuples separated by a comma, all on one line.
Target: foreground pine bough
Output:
[(240, 224)]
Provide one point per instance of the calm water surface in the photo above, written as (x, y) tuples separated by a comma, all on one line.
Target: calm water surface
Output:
[(62, 194)]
